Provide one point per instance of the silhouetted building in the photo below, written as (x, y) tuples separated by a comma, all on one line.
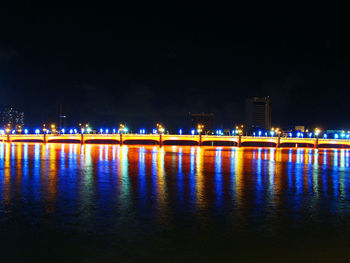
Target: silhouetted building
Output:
[(206, 119), (258, 114), (11, 118)]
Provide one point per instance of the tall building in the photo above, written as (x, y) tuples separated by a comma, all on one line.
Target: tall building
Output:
[(258, 114), (205, 119), (11, 118)]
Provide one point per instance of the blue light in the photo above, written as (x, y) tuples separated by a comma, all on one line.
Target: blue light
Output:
[(259, 133), (101, 130), (348, 136), (180, 131), (253, 133), (325, 136), (233, 132), (342, 135), (154, 131), (106, 131), (192, 132), (336, 136), (26, 131), (298, 134), (114, 131), (63, 131), (37, 131), (272, 133), (266, 134), (75, 130), (290, 134), (13, 131), (310, 134)]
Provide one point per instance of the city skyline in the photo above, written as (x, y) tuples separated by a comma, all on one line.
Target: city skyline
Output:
[(131, 67)]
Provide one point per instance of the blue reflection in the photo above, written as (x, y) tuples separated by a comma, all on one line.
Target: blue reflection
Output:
[(218, 176)]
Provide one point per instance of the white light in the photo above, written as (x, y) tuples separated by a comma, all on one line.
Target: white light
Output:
[(180, 131), (37, 131), (71, 131), (290, 134), (253, 133), (75, 131), (192, 132), (63, 131), (13, 131), (336, 136), (101, 130), (272, 133), (298, 134), (113, 130), (259, 133), (26, 131), (310, 134), (2, 132), (325, 136)]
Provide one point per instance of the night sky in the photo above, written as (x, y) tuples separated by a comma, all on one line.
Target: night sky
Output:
[(145, 65)]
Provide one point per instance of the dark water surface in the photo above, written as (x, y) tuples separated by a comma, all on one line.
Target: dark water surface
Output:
[(106, 203)]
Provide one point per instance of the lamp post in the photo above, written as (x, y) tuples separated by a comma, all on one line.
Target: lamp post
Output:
[(199, 130), (44, 130), (161, 130), (8, 130)]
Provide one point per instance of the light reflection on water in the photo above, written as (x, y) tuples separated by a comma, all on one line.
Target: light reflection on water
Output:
[(132, 194)]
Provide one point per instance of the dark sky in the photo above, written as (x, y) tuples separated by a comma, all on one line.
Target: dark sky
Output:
[(145, 65)]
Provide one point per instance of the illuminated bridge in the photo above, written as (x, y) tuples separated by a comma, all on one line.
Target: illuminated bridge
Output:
[(168, 139)]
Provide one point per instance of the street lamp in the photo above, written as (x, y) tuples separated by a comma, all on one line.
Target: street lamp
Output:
[(200, 128), (160, 128), (122, 128), (317, 132)]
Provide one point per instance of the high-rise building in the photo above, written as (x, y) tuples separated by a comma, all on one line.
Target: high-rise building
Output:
[(258, 114), (11, 118)]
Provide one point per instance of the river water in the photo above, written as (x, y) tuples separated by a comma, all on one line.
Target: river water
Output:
[(106, 203)]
